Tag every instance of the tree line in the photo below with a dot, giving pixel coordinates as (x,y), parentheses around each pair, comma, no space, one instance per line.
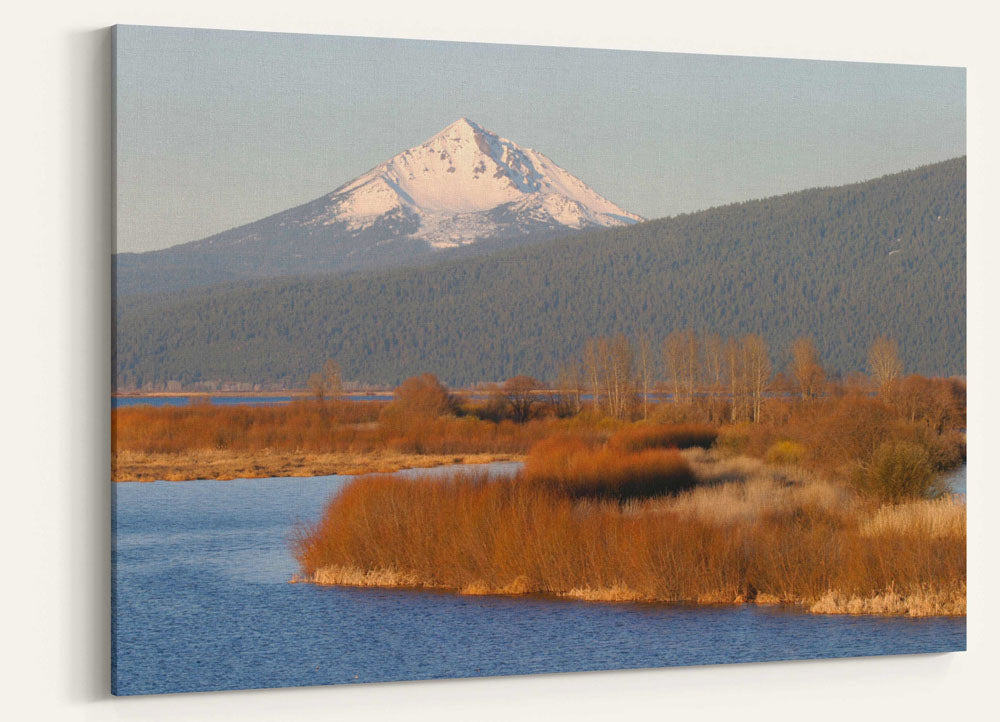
(729,376)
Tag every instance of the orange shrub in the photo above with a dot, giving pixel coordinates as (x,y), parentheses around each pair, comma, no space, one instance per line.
(746,438)
(664,436)
(311,426)
(468,532)
(295,426)
(574,467)
(937,402)
(842,431)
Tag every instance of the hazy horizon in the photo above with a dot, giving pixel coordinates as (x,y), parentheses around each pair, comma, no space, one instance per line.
(220,128)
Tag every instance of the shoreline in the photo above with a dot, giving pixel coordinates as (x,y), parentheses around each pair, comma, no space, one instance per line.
(293,393)
(219,465)
(888,603)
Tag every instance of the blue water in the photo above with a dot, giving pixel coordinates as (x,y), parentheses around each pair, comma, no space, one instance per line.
(202,602)
(958,481)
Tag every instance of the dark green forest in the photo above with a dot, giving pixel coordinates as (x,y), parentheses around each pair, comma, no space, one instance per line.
(842,265)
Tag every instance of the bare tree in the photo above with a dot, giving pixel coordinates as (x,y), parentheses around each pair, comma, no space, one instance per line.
(714,360)
(570,387)
(521,394)
(645,370)
(592,363)
(757,369)
(692,364)
(317,387)
(806,368)
(610,368)
(328,383)
(735,379)
(885,365)
(673,361)
(682,357)
(714,355)
(619,372)
(606,374)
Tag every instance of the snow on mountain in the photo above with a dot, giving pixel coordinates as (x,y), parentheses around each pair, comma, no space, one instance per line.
(467,183)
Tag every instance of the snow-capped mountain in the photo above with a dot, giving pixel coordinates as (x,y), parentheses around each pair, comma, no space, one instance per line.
(467,183)
(462,186)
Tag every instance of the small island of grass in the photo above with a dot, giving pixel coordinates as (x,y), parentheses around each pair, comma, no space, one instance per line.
(607,521)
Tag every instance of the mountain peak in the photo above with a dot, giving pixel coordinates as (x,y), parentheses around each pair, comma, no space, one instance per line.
(456,184)
(463,125)
(462,130)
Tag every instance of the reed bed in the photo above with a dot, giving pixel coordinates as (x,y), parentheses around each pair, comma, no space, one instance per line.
(296,426)
(313,427)
(942,518)
(577,469)
(883,450)
(766,539)
(927,602)
(664,436)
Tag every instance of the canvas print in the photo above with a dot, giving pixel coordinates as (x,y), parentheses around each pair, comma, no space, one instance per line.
(439,359)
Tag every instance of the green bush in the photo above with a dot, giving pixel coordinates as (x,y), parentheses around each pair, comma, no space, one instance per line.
(899,470)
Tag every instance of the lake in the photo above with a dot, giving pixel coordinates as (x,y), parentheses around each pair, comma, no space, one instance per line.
(202,602)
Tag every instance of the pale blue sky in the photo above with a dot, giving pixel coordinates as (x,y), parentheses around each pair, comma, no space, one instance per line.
(216,128)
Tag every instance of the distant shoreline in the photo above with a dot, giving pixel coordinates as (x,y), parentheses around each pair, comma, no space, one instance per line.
(294,393)
(203,394)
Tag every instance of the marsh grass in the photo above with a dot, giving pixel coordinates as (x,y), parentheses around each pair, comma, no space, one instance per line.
(326,427)
(771,537)
(641,437)
(889,451)
(942,518)
(579,469)
(919,602)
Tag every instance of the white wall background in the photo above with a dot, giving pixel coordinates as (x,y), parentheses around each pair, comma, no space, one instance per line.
(55,294)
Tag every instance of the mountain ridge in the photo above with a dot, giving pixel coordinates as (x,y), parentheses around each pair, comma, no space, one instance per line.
(843,264)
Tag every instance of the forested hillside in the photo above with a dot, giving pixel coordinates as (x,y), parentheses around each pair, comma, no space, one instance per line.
(842,265)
